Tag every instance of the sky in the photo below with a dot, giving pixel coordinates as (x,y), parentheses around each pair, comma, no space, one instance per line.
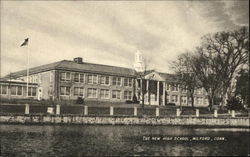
(110,32)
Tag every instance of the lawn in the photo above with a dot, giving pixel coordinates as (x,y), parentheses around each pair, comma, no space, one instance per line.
(102,110)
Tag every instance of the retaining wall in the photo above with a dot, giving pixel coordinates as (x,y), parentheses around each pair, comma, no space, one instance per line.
(121,120)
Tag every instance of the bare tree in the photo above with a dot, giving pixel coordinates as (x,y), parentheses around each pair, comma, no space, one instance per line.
(217,60)
(205,69)
(147,65)
(184,72)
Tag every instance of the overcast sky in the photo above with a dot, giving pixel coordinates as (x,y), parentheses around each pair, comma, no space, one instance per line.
(110,32)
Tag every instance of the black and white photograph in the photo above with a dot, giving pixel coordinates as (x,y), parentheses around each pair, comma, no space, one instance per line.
(124,78)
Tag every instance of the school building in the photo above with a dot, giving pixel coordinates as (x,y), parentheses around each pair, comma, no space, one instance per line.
(70,79)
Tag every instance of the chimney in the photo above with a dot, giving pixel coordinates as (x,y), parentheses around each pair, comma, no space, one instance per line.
(78,60)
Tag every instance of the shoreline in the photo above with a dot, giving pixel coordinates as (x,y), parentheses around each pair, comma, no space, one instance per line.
(238,122)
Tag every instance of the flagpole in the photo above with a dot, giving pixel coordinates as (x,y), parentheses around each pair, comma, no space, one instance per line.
(28,72)
(25,43)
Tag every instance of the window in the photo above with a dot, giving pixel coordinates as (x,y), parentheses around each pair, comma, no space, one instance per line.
(4,89)
(13,90)
(205,101)
(104,80)
(78,77)
(174,87)
(128,95)
(16,90)
(104,93)
(92,79)
(78,91)
(32,91)
(36,79)
(127,82)
(199,101)
(65,76)
(33,79)
(116,94)
(184,99)
(19,90)
(81,78)
(168,87)
(174,98)
(92,93)
(196,91)
(116,81)
(40,78)
(64,90)
(199,91)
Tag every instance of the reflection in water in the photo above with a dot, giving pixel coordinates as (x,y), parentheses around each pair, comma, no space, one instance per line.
(75,140)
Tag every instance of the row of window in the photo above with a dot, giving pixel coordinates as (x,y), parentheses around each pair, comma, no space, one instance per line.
(17,90)
(177,88)
(92,93)
(37,78)
(93,79)
(174,99)
(199,100)
(34,78)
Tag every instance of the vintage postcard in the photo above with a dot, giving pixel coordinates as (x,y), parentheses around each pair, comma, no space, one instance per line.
(124,78)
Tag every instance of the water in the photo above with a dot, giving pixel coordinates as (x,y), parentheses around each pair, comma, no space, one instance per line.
(76,140)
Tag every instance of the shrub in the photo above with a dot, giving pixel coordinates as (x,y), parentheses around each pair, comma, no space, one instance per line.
(129,102)
(217,101)
(235,104)
(135,99)
(80,100)
(171,104)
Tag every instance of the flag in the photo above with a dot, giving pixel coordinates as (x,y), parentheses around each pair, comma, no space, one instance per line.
(25,42)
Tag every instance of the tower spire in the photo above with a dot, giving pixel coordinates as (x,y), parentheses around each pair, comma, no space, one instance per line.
(138,65)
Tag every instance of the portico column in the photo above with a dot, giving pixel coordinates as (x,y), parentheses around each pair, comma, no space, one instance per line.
(164,93)
(158,93)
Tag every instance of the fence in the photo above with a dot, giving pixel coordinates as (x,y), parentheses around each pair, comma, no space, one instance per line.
(111,111)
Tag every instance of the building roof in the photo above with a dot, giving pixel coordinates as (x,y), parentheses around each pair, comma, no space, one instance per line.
(159,76)
(10,81)
(168,77)
(68,65)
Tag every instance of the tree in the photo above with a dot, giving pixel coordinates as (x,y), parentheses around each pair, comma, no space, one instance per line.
(218,59)
(232,52)
(205,69)
(184,72)
(242,86)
